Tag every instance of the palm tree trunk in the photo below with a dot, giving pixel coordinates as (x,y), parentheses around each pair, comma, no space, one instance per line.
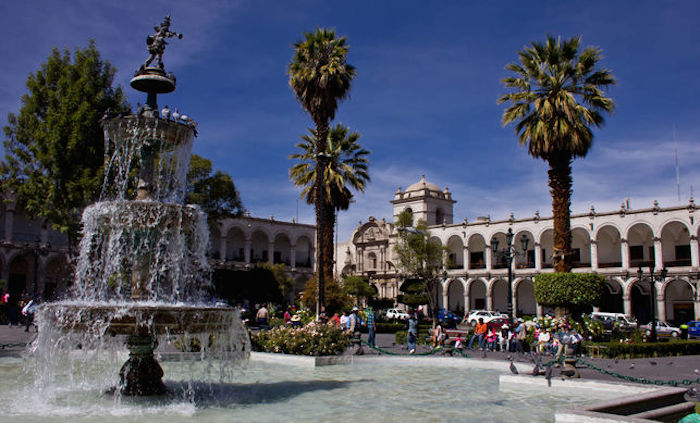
(321,142)
(560,189)
(328,241)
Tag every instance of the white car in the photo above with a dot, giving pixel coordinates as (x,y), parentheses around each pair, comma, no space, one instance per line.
(395,313)
(474,316)
(662,329)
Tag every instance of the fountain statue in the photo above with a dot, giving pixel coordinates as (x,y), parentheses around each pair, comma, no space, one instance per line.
(142,276)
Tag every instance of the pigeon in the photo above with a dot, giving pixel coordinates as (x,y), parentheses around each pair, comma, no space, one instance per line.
(513,369)
(631,366)
(536,370)
(617,361)
(184,118)
(176,115)
(483,355)
(568,373)
(669,363)
(548,375)
(653,363)
(509,357)
(165,112)
(609,366)
(696,371)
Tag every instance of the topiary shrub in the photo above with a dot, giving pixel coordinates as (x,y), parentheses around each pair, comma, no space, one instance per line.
(569,292)
(312,340)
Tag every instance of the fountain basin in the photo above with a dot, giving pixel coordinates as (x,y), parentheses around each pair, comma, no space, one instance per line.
(139,319)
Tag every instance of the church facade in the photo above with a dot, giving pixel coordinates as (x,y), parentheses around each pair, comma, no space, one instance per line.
(614,243)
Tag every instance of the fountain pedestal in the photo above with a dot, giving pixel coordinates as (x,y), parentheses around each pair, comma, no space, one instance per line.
(141,374)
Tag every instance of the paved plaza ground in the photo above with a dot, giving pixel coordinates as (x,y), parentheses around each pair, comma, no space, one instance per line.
(13,340)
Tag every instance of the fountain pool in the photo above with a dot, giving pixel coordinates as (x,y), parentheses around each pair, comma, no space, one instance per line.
(375,389)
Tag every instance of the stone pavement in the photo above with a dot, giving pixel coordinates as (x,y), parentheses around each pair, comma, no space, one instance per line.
(662,368)
(13,340)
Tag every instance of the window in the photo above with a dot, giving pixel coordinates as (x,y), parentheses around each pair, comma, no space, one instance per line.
(576,255)
(682,252)
(636,252)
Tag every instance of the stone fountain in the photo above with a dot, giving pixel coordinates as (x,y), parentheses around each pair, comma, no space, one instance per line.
(142,276)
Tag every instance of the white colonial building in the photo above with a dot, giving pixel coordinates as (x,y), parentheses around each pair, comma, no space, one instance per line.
(240,242)
(613,243)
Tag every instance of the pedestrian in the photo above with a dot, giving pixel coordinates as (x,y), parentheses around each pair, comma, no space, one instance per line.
(371,327)
(479,333)
(491,338)
(542,340)
(504,338)
(28,313)
(261,316)
(287,317)
(412,332)
(521,337)
(438,336)
(344,320)
(335,320)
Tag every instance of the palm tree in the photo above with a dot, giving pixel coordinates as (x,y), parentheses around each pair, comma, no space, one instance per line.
(320,78)
(557,98)
(345,169)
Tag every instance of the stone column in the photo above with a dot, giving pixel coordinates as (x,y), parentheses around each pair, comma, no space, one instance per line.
(445,298)
(540,311)
(487,255)
(694,259)
(382,255)
(222,249)
(596,309)
(515,301)
(360,260)
(660,304)
(594,254)
(658,254)
(293,257)
(627,303)
(246,250)
(271,252)
(697,302)
(466,258)
(467,301)
(538,256)
(489,299)
(625,253)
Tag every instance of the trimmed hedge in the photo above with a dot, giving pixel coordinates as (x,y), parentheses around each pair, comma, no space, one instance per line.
(569,289)
(422,337)
(642,350)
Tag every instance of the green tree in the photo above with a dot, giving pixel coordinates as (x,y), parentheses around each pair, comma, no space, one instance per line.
(54,147)
(569,293)
(320,78)
(556,99)
(336,299)
(420,259)
(358,287)
(213,191)
(345,169)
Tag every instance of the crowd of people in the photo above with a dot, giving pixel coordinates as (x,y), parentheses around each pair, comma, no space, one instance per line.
(19,311)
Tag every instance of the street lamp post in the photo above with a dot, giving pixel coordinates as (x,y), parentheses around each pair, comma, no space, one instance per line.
(652,298)
(509,253)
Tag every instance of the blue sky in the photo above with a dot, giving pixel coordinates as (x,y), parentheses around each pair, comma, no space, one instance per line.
(424,100)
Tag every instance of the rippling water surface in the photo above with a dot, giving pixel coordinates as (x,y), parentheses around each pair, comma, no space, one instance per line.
(371,391)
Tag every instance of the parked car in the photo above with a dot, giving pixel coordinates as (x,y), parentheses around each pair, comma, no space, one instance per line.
(395,313)
(693,329)
(610,320)
(662,329)
(448,317)
(474,316)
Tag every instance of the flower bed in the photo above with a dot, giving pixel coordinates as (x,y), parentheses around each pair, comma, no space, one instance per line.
(313,340)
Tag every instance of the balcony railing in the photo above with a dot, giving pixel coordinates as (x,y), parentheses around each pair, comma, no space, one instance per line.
(477,266)
(610,264)
(677,263)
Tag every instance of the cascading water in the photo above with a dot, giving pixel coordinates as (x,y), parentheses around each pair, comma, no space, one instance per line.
(142,278)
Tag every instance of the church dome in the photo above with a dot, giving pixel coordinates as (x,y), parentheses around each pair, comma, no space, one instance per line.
(421,185)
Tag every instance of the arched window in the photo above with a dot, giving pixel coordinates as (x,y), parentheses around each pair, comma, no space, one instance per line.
(439,217)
